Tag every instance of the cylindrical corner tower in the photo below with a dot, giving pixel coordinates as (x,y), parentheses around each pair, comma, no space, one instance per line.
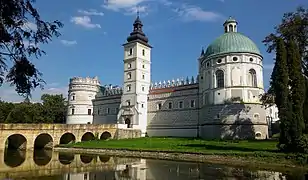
(80,95)
(231,75)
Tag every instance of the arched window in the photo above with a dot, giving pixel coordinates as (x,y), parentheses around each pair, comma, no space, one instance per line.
(220,81)
(253,78)
(230,28)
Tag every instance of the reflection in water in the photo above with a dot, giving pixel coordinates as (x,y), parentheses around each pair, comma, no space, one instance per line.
(42,157)
(66,158)
(14,157)
(49,165)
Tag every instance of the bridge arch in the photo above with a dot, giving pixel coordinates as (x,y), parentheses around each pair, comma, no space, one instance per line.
(42,157)
(104,158)
(43,141)
(86,159)
(67,138)
(16,141)
(18,160)
(88,136)
(106,135)
(66,158)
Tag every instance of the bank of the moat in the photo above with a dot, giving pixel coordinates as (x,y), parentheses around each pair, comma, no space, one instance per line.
(258,154)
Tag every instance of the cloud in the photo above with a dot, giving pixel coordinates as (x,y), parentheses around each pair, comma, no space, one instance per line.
(195,13)
(68,43)
(84,21)
(8,93)
(91,12)
(121,4)
(30,26)
(135,9)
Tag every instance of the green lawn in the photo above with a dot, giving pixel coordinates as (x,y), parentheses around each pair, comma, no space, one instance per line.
(264,150)
(184,145)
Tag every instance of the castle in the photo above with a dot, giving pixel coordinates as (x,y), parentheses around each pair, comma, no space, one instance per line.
(222,101)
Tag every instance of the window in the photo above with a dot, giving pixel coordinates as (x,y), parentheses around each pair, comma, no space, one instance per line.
(73,97)
(98,111)
(129,65)
(73,111)
(250,59)
(142,88)
(276,115)
(130,51)
(89,111)
(252,78)
(159,106)
(234,58)
(107,110)
(181,104)
(143,52)
(116,110)
(129,75)
(85,176)
(170,105)
(143,76)
(230,28)
(219,61)
(192,103)
(142,105)
(128,102)
(220,82)
(143,66)
(128,88)
(207,64)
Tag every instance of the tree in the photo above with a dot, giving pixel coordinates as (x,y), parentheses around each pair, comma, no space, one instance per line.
(54,107)
(297,85)
(280,87)
(19,41)
(294,26)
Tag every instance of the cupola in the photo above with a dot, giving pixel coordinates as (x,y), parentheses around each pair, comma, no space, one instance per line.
(230,25)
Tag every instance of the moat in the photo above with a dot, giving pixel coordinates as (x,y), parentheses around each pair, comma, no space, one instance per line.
(50,165)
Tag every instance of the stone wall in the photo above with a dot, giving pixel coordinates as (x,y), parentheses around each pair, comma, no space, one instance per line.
(233,121)
(127,133)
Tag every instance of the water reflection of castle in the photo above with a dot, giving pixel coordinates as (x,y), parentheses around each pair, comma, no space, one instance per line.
(67,166)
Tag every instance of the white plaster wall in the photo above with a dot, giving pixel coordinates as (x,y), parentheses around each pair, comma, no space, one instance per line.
(101,106)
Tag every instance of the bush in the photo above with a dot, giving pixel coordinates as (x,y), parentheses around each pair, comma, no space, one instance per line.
(302,144)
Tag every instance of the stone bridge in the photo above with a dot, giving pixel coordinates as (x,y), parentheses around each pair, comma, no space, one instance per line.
(49,163)
(38,136)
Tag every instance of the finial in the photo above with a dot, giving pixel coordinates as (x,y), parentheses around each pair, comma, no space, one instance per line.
(138,12)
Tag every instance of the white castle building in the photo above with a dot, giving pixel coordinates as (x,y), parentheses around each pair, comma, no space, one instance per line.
(222,101)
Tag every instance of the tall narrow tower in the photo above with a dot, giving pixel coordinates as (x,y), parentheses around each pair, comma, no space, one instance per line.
(137,68)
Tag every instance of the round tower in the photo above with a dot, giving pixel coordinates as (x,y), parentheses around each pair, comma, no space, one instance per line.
(231,75)
(80,95)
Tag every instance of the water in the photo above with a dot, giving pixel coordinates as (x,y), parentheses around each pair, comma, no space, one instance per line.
(49,165)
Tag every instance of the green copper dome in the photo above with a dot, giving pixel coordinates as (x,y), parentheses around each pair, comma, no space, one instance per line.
(232,42)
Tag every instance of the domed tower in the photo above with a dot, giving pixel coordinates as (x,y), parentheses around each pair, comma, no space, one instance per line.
(231,80)
(80,95)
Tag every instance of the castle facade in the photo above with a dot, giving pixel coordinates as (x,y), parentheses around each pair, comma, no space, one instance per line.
(222,101)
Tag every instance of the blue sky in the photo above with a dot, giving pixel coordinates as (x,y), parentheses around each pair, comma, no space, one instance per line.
(94,31)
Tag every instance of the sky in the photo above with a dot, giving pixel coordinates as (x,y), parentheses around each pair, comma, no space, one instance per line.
(94,31)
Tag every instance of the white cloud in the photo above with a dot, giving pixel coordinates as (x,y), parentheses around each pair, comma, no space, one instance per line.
(29,26)
(91,12)
(8,93)
(135,9)
(68,43)
(194,13)
(84,21)
(121,4)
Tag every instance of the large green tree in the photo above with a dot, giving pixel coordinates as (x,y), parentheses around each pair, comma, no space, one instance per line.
(280,87)
(22,29)
(54,107)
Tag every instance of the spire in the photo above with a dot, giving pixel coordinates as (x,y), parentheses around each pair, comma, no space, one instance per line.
(202,51)
(138,35)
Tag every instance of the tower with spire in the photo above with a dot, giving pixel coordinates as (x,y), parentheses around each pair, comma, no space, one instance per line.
(137,78)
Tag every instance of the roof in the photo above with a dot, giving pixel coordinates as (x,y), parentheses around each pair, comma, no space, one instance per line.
(232,42)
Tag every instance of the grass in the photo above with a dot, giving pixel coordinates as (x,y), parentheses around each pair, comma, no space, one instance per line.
(258,150)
